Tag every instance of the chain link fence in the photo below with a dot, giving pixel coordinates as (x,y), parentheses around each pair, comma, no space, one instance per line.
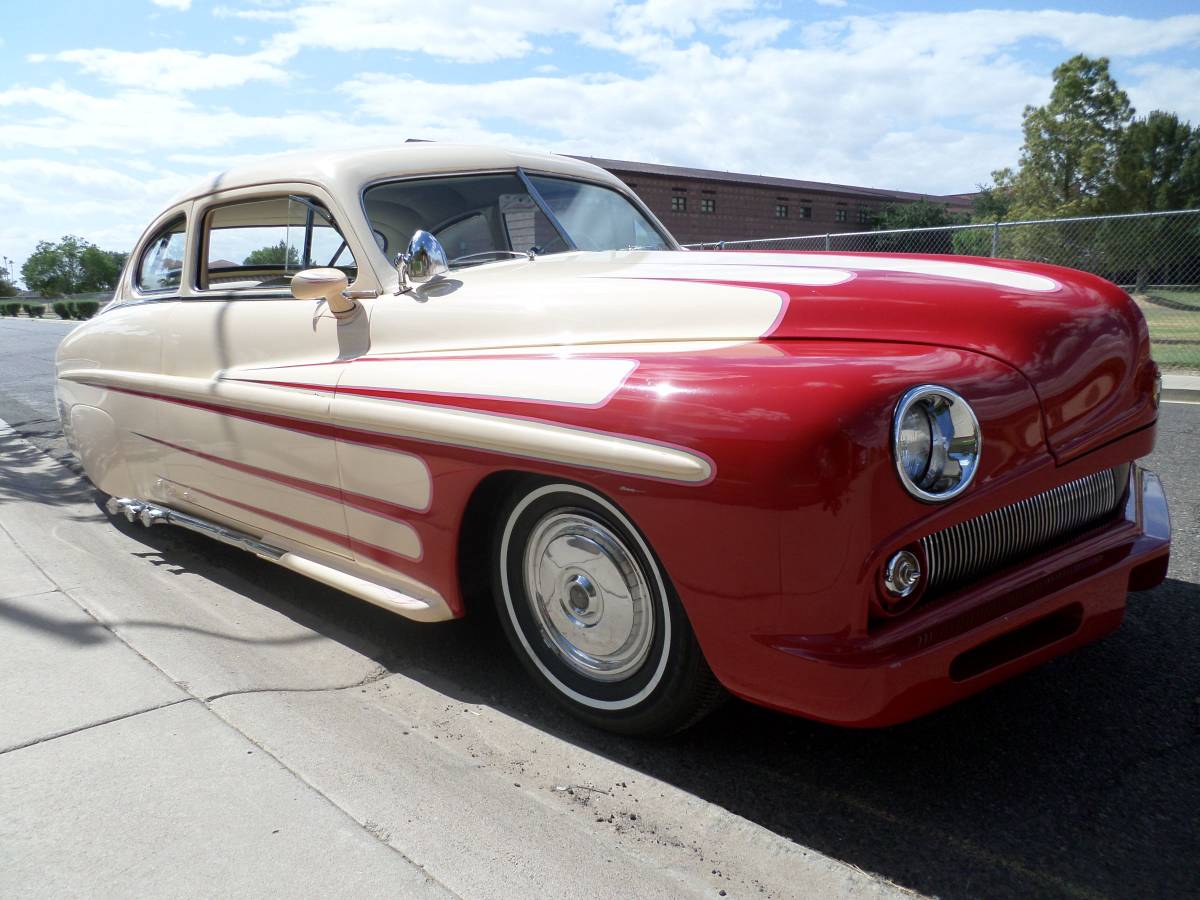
(1154,256)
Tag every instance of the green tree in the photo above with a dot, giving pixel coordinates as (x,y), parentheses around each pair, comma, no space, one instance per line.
(1157,169)
(101,268)
(994,201)
(922,214)
(280,254)
(7,288)
(1157,166)
(1071,143)
(71,266)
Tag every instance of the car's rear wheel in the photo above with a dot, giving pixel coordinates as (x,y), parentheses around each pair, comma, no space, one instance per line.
(593,616)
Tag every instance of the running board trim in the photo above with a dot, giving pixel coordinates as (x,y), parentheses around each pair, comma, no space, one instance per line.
(151,514)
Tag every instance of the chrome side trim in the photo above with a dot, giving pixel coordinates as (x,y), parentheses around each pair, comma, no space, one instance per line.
(978,546)
(151,514)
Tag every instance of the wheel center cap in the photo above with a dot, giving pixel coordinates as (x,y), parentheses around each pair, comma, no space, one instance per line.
(581,601)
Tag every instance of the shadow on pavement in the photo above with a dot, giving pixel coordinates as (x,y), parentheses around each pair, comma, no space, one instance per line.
(1077,779)
(24,475)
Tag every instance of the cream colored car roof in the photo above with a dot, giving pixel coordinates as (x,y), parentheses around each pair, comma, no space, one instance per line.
(344,172)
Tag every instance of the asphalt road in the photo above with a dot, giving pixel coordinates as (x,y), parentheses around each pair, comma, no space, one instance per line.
(1077,779)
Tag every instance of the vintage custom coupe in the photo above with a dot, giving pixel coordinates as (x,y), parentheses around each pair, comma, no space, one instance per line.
(853,487)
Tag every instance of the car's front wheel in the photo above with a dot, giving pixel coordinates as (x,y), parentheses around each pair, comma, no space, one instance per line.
(592,615)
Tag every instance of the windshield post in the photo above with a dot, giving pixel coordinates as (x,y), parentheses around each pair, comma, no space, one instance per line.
(545,208)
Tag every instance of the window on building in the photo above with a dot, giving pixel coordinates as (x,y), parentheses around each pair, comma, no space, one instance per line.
(781,210)
(806,211)
(708,205)
(864,214)
(841,214)
(679,203)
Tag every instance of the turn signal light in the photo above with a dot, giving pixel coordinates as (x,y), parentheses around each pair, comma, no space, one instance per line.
(901,582)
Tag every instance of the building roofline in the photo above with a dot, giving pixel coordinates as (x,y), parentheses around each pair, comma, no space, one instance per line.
(792,184)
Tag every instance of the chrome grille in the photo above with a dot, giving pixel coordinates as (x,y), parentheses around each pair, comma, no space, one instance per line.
(981,545)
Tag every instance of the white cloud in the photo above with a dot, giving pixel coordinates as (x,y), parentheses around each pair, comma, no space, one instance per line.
(749,34)
(984,31)
(44,200)
(181,5)
(677,18)
(1169,88)
(135,122)
(920,101)
(474,32)
(458,30)
(171,70)
(927,102)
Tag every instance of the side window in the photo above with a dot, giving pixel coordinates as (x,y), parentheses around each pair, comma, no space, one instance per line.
(161,264)
(466,236)
(256,244)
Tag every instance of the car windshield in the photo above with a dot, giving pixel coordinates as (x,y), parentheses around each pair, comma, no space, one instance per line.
(479,218)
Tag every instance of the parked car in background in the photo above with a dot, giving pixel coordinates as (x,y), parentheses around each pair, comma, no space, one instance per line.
(852,487)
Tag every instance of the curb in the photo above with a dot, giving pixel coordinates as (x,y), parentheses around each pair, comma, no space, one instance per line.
(1181,388)
(36,319)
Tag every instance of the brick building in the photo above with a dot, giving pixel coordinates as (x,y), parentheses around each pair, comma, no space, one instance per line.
(702,205)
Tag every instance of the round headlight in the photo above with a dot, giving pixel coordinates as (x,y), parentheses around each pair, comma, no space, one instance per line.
(936,442)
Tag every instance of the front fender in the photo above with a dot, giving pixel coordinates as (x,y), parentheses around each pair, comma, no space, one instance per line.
(787,535)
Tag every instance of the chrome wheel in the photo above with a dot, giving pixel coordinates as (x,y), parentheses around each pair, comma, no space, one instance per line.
(589,596)
(590,612)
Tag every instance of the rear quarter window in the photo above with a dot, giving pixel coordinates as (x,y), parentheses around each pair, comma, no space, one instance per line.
(161,264)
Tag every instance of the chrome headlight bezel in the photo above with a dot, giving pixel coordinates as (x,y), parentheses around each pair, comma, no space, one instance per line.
(956,443)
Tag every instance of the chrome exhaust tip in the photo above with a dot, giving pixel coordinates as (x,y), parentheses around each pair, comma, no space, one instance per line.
(152,515)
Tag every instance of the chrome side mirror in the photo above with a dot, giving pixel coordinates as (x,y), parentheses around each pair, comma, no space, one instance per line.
(424,261)
(327,284)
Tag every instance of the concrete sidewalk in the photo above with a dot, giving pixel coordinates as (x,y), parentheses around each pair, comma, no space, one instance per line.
(167,729)
(118,781)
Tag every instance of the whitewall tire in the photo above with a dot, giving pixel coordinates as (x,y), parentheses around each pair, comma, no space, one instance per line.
(592,615)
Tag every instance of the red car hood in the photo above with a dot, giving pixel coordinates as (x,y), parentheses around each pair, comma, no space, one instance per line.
(1080,340)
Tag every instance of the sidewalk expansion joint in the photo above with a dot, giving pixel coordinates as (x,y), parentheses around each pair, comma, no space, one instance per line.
(91,725)
(376,674)
(316,789)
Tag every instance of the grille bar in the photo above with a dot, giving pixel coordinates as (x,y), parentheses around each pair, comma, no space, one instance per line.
(983,544)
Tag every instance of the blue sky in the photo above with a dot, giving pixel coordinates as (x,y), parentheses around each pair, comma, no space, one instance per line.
(107,110)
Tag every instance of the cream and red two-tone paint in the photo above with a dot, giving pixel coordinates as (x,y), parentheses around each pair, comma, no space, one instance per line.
(730,414)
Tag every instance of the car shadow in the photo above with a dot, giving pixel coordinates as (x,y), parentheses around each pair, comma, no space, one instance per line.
(1076,779)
